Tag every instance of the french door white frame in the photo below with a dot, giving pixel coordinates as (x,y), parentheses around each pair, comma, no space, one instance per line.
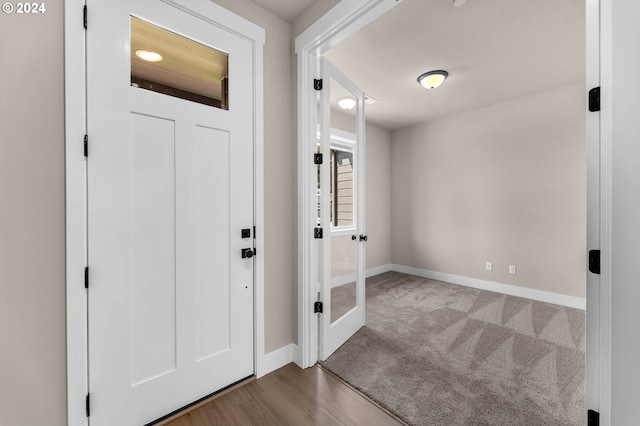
(76,190)
(349,16)
(344,19)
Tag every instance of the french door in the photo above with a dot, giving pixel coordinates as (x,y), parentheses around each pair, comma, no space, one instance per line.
(170,208)
(341,210)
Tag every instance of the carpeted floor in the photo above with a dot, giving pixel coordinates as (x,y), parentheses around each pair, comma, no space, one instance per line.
(441,354)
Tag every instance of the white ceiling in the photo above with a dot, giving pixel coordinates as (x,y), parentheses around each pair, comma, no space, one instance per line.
(494,50)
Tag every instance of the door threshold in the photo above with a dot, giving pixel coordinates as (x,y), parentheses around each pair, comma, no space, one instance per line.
(361,393)
(200,402)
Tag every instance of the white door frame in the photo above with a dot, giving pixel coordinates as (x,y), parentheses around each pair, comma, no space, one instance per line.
(76,191)
(598,156)
(349,16)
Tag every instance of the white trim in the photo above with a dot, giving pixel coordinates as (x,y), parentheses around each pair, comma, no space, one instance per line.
(595,394)
(349,278)
(377,270)
(222,18)
(278,358)
(343,20)
(76,237)
(606,185)
(307,217)
(336,25)
(511,290)
(258,175)
(75,175)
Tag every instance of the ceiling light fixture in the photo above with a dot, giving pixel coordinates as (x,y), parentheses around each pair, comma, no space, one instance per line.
(432,79)
(458,3)
(346,103)
(148,56)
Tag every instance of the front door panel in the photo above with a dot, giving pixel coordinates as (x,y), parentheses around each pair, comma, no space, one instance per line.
(170,187)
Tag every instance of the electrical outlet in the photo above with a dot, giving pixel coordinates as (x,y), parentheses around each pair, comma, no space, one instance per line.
(488,266)
(512,269)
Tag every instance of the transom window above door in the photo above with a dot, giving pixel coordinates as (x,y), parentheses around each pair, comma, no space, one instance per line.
(168,63)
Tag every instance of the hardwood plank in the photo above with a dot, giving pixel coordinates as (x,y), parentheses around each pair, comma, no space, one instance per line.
(289,396)
(182,413)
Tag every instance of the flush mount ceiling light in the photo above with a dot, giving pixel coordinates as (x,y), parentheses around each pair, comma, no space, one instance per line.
(432,79)
(458,3)
(148,56)
(346,103)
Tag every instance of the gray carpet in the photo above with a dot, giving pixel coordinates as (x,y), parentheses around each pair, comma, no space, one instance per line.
(441,354)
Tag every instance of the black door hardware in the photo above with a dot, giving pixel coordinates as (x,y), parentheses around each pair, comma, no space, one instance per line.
(248,253)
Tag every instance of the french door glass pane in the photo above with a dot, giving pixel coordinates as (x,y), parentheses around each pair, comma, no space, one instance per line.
(342,202)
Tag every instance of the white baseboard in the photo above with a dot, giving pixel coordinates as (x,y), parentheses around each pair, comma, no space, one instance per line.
(349,278)
(377,270)
(512,290)
(276,359)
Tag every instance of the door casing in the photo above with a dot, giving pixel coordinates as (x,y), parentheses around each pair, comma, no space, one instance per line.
(76,188)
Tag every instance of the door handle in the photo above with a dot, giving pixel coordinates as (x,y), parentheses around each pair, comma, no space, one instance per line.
(363,237)
(248,253)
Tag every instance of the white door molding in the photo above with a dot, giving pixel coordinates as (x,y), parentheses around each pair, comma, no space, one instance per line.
(76,209)
(599,163)
(76,200)
(344,19)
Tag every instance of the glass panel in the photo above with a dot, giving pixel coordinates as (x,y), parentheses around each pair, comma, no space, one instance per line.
(342,202)
(342,186)
(343,275)
(165,62)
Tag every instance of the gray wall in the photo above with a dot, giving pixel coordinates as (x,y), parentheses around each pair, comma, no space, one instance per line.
(504,183)
(32,221)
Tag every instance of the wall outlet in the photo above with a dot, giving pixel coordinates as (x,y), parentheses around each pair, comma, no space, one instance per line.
(512,269)
(488,266)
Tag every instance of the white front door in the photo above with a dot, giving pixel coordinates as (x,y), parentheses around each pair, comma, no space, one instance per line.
(341,189)
(170,189)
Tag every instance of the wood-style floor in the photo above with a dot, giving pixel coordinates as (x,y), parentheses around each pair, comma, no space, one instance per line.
(289,396)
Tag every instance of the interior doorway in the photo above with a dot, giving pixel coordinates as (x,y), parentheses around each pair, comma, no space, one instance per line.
(329,38)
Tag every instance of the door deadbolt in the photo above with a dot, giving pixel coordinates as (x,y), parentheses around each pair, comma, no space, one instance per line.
(248,253)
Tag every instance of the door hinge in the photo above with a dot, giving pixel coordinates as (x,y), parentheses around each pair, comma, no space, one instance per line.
(86,277)
(86,145)
(317,84)
(594,261)
(317,233)
(317,308)
(84,16)
(594,99)
(593,418)
(317,158)
(87,404)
